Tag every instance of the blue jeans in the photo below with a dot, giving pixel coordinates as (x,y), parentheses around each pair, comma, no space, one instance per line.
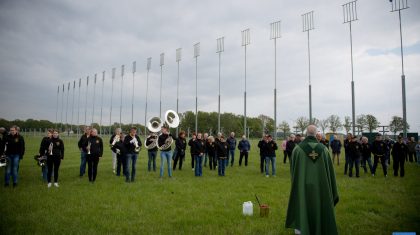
(221,169)
(346,163)
(82,163)
(152,159)
(267,165)
(130,157)
(44,171)
(351,164)
(198,165)
(12,168)
(165,155)
(369,161)
(418,157)
(206,156)
(231,152)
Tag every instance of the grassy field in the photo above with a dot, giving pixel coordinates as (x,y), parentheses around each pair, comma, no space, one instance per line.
(189,205)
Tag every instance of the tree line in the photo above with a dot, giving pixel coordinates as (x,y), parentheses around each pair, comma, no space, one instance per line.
(230,122)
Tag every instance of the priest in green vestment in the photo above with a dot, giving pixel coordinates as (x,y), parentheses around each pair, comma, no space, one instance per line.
(314,190)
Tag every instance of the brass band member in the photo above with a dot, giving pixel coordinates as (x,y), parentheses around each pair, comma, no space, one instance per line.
(83,152)
(118,147)
(180,146)
(14,152)
(43,151)
(132,144)
(95,150)
(114,154)
(165,154)
(151,152)
(54,157)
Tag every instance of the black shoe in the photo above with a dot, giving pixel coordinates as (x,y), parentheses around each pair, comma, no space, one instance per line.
(6,185)
(14,185)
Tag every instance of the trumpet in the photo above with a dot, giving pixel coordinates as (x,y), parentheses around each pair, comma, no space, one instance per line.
(50,148)
(88,148)
(136,144)
(115,140)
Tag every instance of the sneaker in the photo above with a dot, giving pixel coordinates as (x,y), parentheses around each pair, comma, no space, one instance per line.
(56,184)
(192,169)
(113,171)
(373,174)
(267,176)
(49,185)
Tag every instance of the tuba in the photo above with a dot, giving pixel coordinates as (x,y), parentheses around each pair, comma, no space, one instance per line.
(155,124)
(172,119)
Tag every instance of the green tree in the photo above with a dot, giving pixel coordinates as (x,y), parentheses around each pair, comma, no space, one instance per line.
(371,122)
(324,125)
(285,128)
(361,122)
(334,123)
(347,124)
(302,123)
(397,124)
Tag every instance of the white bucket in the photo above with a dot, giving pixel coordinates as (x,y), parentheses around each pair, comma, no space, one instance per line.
(247,208)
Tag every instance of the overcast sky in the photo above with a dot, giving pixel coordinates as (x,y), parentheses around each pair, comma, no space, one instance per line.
(45,44)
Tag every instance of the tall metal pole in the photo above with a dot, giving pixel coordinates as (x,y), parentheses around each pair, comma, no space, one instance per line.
(112,96)
(67,104)
(398,5)
(220,49)
(196,55)
(178,59)
(72,105)
(275,33)
(122,85)
(149,63)
(308,25)
(56,110)
(94,95)
(62,108)
(350,15)
(245,41)
(87,86)
(78,107)
(102,101)
(132,96)
(162,61)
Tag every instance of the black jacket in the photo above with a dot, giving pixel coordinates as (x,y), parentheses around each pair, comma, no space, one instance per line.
(120,146)
(221,150)
(43,148)
(354,150)
(2,142)
(290,145)
(366,151)
(399,151)
(269,149)
(130,146)
(260,146)
(58,147)
(211,148)
(379,148)
(162,139)
(180,145)
(192,146)
(149,141)
(199,146)
(96,146)
(83,142)
(15,145)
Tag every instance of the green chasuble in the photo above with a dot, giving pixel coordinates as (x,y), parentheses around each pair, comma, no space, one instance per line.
(314,190)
